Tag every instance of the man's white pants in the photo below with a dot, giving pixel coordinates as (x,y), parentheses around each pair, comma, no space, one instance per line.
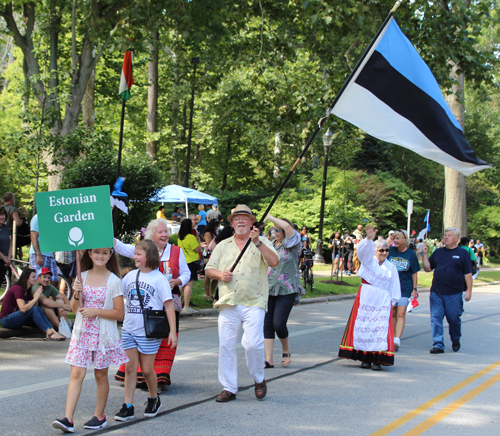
(231,320)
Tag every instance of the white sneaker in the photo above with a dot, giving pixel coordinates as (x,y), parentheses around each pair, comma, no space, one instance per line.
(189,310)
(397,343)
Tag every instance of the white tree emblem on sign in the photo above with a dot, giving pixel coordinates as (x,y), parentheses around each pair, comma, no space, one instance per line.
(76,237)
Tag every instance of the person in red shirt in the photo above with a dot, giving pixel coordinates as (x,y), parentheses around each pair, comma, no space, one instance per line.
(19,306)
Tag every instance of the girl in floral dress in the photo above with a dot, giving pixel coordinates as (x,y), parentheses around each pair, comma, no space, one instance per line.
(284,289)
(98,304)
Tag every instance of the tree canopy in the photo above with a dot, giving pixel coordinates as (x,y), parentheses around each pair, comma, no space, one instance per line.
(268,71)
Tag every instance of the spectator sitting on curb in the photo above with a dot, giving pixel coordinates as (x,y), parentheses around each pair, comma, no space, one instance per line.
(54,304)
(19,307)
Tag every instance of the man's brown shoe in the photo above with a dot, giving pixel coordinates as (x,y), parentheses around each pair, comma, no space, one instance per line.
(261,390)
(226,396)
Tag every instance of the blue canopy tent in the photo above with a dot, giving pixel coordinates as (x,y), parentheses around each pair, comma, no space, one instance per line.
(180,194)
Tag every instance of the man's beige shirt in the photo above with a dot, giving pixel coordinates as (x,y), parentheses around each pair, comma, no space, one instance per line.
(249,286)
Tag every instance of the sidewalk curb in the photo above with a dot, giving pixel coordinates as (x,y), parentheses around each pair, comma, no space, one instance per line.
(24,331)
(31,331)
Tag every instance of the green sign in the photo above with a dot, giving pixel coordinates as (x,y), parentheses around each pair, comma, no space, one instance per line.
(75,219)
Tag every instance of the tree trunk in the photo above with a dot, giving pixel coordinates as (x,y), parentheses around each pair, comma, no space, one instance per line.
(226,163)
(83,66)
(88,103)
(455,204)
(152,122)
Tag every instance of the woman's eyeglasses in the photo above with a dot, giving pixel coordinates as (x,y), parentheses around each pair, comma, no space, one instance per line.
(277,231)
(383,250)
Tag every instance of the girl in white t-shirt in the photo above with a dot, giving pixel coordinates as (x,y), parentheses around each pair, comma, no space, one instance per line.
(98,305)
(156,294)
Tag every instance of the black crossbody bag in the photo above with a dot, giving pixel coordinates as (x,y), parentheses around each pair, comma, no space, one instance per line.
(155,321)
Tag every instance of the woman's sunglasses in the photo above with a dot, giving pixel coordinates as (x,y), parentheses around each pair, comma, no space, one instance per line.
(383,250)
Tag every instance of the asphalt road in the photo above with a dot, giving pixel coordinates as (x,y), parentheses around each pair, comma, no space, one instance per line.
(319,394)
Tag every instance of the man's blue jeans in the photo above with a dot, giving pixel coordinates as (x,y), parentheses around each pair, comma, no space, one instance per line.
(18,319)
(450,306)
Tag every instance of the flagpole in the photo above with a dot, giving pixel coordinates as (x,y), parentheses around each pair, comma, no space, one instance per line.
(320,125)
(287,178)
(120,146)
(362,58)
(120,142)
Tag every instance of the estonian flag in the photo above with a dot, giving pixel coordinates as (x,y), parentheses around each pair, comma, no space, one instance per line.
(393,96)
(426,220)
(118,198)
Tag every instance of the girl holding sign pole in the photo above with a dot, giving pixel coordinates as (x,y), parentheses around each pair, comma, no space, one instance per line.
(98,304)
(155,293)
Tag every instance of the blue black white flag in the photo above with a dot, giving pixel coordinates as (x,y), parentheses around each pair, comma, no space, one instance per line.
(394,97)
(427,221)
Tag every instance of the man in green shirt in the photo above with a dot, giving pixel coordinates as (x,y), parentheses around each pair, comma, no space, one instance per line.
(55,305)
(464,243)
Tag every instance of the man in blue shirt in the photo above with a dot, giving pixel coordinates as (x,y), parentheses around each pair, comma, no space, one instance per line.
(450,264)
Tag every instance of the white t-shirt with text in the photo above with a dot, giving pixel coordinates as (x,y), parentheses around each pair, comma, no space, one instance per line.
(155,290)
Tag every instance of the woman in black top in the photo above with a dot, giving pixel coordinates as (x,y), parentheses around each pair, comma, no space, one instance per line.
(335,244)
(5,245)
(348,253)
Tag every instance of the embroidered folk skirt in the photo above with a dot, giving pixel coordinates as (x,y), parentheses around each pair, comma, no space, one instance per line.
(347,350)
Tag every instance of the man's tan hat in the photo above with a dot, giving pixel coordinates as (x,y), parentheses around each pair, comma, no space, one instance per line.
(242,209)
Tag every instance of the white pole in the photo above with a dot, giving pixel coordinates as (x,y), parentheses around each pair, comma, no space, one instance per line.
(410,211)
(14,240)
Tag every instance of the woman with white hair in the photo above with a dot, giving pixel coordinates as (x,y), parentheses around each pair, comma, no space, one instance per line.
(173,265)
(368,336)
(406,262)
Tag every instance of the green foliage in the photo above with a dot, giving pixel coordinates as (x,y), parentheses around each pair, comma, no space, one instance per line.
(485,225)
(143,180)
(228,200)
(173,239)
(374,155)
(268,71)
(352,198)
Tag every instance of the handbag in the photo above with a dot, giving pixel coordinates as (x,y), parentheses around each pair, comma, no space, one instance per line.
(155,321)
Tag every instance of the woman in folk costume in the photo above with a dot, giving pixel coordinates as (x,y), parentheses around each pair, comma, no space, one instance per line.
(173,265)
(369,336)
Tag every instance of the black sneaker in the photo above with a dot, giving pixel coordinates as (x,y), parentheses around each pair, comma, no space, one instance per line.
(456,346)
(436,350)
(125,413)
(64,425)
(95,423)
(153,406)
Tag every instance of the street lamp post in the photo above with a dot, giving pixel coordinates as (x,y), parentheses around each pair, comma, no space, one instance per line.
(194,61)
(327,142)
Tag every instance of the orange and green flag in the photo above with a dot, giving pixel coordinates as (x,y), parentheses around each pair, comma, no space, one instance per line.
(126,80)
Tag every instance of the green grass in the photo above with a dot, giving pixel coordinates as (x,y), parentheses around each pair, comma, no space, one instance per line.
(425,279)
(327,267)
(197,300)
(322,289)
(488,277)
